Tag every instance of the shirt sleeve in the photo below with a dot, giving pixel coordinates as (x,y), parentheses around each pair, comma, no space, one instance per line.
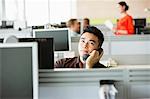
(59,64)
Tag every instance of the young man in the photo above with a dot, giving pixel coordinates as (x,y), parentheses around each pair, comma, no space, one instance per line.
(90,51)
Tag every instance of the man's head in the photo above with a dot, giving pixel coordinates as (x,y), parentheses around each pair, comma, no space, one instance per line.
(91,39)
(74,25)
(86,23)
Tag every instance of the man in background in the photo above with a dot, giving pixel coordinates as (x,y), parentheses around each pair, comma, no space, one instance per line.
(74,27)
(86,23)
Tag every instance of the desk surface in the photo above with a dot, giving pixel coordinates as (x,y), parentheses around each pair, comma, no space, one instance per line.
(69,75)
(98,69)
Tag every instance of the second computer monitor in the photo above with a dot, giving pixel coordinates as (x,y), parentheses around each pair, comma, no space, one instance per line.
(140,22)
(61,37)
(45,51)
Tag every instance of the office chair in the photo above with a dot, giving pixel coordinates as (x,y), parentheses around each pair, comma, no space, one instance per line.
(10,39)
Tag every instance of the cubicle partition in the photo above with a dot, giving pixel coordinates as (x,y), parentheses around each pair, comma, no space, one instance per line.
(138,83)
(78,83)
(0,72)
(132,82)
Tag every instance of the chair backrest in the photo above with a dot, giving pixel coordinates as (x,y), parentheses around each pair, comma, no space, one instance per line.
(10,39)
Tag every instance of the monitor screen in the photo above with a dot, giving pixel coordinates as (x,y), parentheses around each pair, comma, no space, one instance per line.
(140,22)
(1,40)
(45,51)
(18,71)
(61,37)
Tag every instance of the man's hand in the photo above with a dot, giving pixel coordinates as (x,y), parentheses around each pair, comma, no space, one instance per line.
(93,58)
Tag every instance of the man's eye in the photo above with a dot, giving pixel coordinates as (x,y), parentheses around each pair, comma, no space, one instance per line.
(82,41)
(92,43)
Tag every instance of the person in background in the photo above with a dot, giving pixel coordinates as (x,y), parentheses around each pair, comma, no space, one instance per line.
(90,51)
(74,27)
(125,22)
(86,23)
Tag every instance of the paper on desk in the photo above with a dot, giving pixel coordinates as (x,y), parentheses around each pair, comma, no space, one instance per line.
(109,24)
(69,54)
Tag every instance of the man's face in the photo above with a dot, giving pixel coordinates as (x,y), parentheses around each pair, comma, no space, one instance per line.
(76,26)
(87,43)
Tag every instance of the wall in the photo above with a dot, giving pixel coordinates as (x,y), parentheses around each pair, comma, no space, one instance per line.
(108,8)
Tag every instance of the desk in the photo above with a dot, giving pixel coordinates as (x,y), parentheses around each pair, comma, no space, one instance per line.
(133,82)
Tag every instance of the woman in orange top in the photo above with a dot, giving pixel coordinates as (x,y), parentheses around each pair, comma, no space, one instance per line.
(125,23)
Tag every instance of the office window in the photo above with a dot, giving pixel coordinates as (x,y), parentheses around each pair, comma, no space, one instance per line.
(61,10)
(36,12)
(40,12)
(0,10)
(11,9)
(14,9)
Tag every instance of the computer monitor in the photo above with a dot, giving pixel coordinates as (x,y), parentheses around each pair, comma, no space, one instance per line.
(18,71)
(1,40)
(140,22)
(61,37)
(45,51)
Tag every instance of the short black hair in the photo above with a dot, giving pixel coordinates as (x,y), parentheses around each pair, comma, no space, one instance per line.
(123,3)
(95,31)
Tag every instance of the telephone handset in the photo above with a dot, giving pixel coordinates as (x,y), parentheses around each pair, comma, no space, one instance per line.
(100,50)
(85,56)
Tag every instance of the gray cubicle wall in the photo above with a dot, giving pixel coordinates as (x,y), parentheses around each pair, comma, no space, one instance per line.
(133,82)
(78,83)
(132,51)
(138,83)
(129,52)
(17,78)
(0,72)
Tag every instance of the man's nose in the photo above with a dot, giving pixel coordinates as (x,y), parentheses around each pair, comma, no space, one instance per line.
(85,45)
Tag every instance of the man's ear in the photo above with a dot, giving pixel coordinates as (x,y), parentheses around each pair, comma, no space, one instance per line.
(100,50)
(98,47)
